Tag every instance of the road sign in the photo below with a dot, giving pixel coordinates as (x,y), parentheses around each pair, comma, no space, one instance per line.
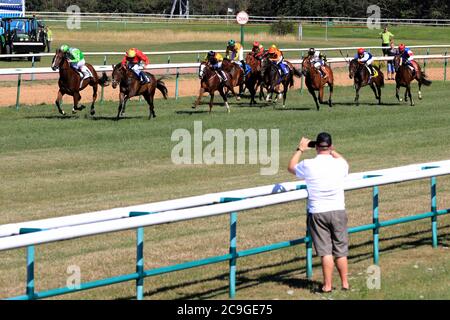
(242,17)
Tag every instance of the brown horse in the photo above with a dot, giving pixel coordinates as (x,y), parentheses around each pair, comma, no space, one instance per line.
(253,79)
(69,83)
(211,82)
(315,82)
(272,79)
(237,75)
(404,76)
(130,86)
(358,71)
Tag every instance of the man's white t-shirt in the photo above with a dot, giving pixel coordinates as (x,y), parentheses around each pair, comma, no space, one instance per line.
(324,177)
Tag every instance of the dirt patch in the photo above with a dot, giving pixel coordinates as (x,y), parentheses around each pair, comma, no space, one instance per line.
(34,93)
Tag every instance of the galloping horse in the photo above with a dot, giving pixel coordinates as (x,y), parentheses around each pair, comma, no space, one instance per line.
(130,86)
(210,82)
(404,76)
(253,79)
(272,78)
(237,75)
(315,82)
(361,76)
(69,83)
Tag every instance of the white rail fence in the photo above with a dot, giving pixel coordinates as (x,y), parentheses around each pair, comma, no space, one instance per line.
(152,18)
(106,221)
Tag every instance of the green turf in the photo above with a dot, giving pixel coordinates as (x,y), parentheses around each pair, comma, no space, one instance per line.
(53,166)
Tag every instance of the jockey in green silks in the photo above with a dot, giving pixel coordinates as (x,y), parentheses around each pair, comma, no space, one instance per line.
(75,57)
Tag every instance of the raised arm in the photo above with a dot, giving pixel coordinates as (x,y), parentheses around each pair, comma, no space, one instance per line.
(302,147)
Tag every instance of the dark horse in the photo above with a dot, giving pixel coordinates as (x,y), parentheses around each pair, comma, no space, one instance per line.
(130,86)
(210,82)
(272,78)
(69,82)
(404,76)
(358,71)
(315,82)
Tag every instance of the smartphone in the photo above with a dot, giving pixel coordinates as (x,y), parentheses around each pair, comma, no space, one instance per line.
(312,144)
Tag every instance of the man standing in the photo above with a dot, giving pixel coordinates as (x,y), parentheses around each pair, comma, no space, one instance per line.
(48,38)
(327,219)
(386,38)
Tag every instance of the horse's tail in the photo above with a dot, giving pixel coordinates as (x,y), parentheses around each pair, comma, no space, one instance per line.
(104,80)
(297,72)
(424,80)
(161,86)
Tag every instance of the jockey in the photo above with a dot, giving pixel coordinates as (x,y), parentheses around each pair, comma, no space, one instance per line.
(276,56)
(76,59)
(365,57)
(407,56)
(318,60)
(237,53)
(258,50)
(215,59)
(132,59)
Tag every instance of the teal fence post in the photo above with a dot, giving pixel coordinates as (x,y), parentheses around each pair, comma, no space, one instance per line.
(103,88)
(30,272)
(376,229)
(177,84)
(309,255)
(434,210)
(426,60)
(140,263)
(19,82)
(233,226)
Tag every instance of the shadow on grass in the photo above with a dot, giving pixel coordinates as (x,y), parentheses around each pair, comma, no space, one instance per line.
(363,104)
(114,118)
(191,112)
(290,276)
(56,116)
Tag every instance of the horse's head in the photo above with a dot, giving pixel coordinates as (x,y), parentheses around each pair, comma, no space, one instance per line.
(202,69)
(397,62)
(265,65)
(306,66)
(353,68)
(58,59)
(117,74)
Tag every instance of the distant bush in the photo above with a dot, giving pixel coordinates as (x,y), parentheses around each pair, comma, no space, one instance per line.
(282,28)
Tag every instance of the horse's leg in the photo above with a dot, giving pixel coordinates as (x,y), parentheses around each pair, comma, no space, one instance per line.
(397,93)
(200,95)
(211,101)
(321,95)
(58,103)
(379,94)
(330,102)
(94,98)
(121,104)
(374,89)
(420,89)
(76,99)
(224,97)
(286,88)
(410,95)
(151,107)
(313,93)
(357,94)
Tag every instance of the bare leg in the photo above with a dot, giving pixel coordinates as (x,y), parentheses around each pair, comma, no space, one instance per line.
(327,271)
(342,266)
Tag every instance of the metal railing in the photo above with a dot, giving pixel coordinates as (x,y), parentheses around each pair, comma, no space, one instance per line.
(65,228)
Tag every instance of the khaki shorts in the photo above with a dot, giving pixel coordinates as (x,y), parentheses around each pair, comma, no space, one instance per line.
(329,233)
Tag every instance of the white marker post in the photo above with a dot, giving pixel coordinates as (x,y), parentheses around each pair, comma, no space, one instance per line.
(242,18)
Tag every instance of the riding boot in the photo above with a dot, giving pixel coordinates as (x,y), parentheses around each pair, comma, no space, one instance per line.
(222,75)
(144,78)
(244,67)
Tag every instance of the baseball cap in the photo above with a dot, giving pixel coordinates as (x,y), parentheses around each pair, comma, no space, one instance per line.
(323,140)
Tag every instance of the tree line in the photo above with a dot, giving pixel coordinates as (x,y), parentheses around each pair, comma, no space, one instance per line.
(406,9)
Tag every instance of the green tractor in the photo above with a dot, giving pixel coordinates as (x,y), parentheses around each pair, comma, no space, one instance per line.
(20,35)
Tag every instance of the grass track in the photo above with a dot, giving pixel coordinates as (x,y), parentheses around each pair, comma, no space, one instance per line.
(52,166)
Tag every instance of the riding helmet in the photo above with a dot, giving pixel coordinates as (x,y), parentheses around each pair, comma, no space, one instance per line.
(131,53)
(65,48)
(231,43)
(361,50)
(211,53)
(401,47)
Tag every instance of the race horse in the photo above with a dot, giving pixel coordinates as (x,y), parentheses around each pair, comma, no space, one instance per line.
(253,79)
(237,75)
(69,83)
(271,78)
(131,86)
(315,82)
(361,78)
(211,82)
(404,76)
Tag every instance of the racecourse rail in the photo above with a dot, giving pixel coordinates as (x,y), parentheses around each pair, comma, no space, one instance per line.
(29,234)
(177,66)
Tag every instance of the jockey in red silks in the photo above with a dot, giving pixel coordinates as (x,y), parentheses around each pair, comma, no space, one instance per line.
(258,50)
(408,58)
(132,61)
